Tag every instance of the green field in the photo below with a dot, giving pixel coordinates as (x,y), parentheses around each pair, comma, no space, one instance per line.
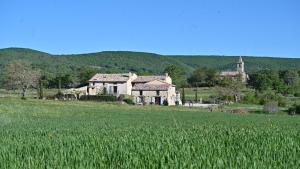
(56,134)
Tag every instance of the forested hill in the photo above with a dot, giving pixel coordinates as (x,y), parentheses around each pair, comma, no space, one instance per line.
(143,63)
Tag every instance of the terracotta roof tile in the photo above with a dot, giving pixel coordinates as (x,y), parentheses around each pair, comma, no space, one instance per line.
(143,79)
(151,87)
(99,77)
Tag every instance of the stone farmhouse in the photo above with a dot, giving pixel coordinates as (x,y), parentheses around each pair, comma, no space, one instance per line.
(239,73)
(143,89)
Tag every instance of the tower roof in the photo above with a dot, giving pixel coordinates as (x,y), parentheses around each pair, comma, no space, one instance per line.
(240,59)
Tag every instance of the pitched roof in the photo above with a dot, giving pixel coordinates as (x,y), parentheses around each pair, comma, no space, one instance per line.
(143,79)
(151,86)
(229,73)
(99,77)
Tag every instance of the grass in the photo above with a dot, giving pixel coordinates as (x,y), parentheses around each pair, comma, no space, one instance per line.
(203,92)
(56,134)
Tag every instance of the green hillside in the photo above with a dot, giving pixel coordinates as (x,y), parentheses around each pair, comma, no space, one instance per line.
(143,63)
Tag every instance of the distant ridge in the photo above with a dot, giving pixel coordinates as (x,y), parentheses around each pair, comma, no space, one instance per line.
(139,62)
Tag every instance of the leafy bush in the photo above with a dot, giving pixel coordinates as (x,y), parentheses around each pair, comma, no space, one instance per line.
(129,101)
(250,98)
(271,96)
(100,98)
(295,109)
(165,103)
(271,107)
(297,94)
(59,95)
(281,101)
(121,97)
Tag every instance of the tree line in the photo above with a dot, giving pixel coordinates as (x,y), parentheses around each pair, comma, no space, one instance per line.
(22,75)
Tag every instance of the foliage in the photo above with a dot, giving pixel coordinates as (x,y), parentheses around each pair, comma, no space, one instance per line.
(20,75)
(297,94)
(176,73)
(267,79)
(250,98)
(295,109)
(183,96)
(86,73)
(128,101)
(231,89)
(100,98)
(165,103)
(56,134)
(141,63)
(203,77)
(269,96)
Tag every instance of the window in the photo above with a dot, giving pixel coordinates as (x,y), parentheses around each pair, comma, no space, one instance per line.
(141,92)
(115,89)
(157,92)
(93,83)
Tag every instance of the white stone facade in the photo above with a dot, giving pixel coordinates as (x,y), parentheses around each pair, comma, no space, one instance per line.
(143,89)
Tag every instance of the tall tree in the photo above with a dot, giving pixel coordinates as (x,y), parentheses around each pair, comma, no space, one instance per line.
(85,74)
(203,76)
(231,88)
(183,96)
(176,73)
(267,79)
(291,79)
(20,75)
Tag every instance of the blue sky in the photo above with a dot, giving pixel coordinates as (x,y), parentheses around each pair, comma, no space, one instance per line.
(221,27)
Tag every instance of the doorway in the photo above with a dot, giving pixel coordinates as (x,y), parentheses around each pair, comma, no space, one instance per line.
(157,100)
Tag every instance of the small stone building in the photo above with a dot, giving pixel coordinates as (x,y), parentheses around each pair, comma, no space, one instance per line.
(143,89)
(113,84)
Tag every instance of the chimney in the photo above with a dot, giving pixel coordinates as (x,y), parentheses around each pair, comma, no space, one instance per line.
(167,74)
(130,74)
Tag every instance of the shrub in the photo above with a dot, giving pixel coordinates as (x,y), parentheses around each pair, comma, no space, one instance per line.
(271,107)
(100,98)
(59,95)
(121,97)
(128,101)
(281,101)
(104,92)
(165,103)
(250,98)
(295,109)
(297,94)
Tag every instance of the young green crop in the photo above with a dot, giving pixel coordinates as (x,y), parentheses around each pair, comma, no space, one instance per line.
(54,134)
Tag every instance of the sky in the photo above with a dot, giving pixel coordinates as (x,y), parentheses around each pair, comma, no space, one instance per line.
(192,27)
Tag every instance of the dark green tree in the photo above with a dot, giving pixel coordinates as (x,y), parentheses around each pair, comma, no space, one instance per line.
(203,76)
(183,96)
(176,73)
(85,74)
(267,79)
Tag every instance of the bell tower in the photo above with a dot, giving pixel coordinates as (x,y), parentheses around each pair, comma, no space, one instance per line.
(240,65)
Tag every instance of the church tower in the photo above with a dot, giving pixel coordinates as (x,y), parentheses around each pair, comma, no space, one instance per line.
(240,66)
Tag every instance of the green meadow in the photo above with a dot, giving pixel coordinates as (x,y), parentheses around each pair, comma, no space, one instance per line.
(57,134)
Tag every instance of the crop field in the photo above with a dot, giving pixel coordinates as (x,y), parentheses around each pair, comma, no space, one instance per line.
(56,134)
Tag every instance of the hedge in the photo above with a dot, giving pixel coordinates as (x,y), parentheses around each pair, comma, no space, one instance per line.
(100,98)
